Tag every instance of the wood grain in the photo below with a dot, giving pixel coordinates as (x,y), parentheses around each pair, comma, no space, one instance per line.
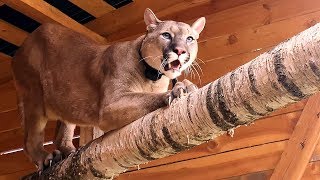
(257,14)
(18,174)
(180,12)
(223,165)
(249,40)
(8,97)
(45,13)
(129,14)
(245,163)
(244,15)
(5,68)
(9,121)
(95,7)
(301,144)
(17,164)
(311,173)
(13,139)
(11,33)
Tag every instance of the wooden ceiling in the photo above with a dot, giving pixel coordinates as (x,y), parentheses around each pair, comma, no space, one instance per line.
(236,31)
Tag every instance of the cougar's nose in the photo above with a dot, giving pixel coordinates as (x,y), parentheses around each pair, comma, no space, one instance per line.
(179,50)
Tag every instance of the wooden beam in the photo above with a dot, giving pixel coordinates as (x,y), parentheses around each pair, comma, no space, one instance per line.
(88,134)
(96,8)
(301,144)
(219,166)
(126,15)
(11,33)
(312,172)
(45,13)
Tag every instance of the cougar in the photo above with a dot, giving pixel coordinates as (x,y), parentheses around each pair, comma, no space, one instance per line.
(62,75)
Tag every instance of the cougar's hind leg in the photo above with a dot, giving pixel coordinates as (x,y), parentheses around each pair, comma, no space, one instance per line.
(63,138)
(33,121)
(32,112)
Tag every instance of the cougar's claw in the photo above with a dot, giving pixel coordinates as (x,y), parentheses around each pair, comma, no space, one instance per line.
(180,90)
(50,160)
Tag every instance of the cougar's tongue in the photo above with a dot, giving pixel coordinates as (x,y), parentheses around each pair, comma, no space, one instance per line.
(175,65)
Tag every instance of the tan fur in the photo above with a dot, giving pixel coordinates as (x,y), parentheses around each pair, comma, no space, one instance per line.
(62,75)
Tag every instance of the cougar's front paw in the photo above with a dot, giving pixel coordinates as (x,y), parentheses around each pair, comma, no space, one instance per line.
(181,89)
(49,160)
(190,86)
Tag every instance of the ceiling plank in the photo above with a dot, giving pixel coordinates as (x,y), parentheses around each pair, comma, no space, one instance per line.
(218,166)
(126,15)
(45,13)
(5,69)
(11,33)
(8,97)
(95,7)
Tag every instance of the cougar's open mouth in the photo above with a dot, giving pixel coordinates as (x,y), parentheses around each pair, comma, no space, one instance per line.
(174,65)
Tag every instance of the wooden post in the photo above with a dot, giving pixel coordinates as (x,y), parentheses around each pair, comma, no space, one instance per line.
(302,143)
(88,134)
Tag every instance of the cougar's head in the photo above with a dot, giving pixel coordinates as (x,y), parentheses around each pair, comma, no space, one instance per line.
(170,46)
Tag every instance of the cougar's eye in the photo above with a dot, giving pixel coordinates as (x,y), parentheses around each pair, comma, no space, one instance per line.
(190,39)
(166,35)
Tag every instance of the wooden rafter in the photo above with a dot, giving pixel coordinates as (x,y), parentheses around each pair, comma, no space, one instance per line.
(95,7)
(129,14)
(11,33)
(302,143)
(45,13)
(88,134)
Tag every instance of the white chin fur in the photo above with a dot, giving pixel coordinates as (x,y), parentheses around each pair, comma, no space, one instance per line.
(172,74)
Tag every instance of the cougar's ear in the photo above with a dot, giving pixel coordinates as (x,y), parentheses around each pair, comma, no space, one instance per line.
(150,19)
(199,25)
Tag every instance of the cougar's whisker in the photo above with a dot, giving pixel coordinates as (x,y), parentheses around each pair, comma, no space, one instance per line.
(197,73)
(198,66)
(200,60)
